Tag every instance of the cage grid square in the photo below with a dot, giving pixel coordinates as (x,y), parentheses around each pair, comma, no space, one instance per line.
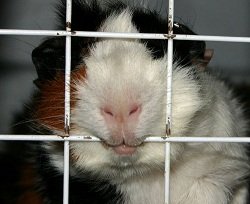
(170,36)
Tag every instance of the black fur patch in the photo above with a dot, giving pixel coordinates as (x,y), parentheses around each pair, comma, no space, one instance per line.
(50,55)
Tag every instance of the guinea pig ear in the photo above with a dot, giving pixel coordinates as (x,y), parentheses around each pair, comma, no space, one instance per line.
(203,63)
(49,58)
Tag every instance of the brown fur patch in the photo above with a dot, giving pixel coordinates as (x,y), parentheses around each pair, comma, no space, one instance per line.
(50,106)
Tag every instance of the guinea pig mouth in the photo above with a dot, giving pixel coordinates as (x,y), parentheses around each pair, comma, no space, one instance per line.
(131,143)
(123,148)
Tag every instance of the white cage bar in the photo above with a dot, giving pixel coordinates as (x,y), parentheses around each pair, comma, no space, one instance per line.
(124,35)
(167,140)
(67,103)
(169,100)
(87,138)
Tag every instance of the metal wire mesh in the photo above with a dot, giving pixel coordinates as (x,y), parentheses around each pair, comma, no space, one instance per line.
(170,36)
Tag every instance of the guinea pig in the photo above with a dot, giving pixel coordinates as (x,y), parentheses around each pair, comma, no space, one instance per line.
(118,94)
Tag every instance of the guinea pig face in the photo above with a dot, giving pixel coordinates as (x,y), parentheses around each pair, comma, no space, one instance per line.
(121,100)
(118,94)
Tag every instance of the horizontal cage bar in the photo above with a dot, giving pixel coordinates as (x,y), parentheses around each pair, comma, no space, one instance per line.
(148,139)
(124,35)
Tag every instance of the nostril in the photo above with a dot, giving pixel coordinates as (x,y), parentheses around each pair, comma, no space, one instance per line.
(134,110)
(107,112)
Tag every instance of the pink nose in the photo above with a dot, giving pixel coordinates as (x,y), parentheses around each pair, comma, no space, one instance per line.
(121,122)
(121,116)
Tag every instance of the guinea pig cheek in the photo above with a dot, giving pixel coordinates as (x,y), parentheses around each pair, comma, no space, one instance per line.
(121,123)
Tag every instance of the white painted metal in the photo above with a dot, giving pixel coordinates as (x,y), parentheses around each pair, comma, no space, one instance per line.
(169,99)
(67,102)
(123,35)
(66,173)
(87,138)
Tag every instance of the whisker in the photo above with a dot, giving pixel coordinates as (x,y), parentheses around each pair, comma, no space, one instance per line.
(34,120)
(51,108)
(21,40)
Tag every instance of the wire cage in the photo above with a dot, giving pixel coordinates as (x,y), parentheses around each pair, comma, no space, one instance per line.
(170,37)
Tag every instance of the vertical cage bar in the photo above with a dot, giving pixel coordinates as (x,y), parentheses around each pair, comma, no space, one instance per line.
(167,173)
(66,173)
(67,102)
(170,66)
(169,99)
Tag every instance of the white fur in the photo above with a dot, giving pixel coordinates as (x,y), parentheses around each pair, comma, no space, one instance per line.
(119,70)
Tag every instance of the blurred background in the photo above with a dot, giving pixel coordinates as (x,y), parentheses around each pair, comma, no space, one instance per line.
(224,17)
